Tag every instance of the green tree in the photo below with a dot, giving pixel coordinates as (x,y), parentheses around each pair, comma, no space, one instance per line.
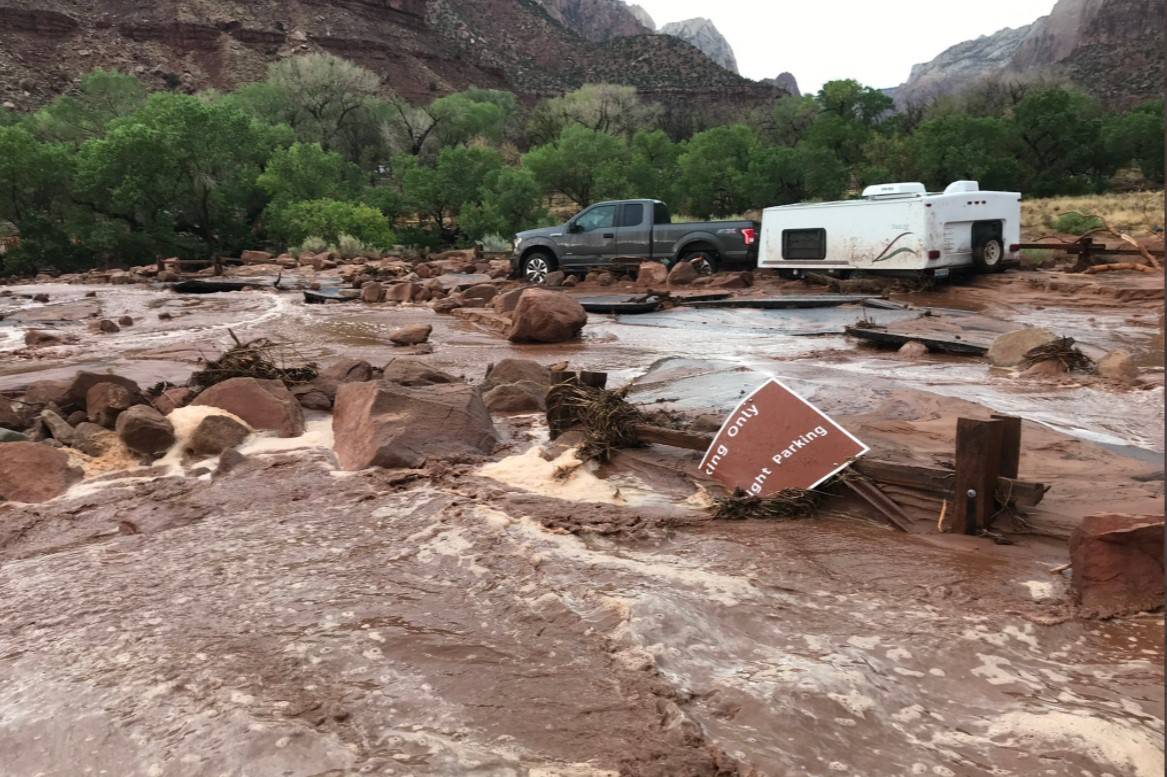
(888,158)
(791,118)
(1137,137)
(292,222)
(614,109)
(714,171)
(35,180)
(475,113)
(180,172)
(509,202)
(1060,142)
(583,164)
(652,169)
(305,171)
(102,96)
(960,147)
(440,191)
(848,99)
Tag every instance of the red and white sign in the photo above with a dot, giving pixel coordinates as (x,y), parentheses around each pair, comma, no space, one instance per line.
(776,440)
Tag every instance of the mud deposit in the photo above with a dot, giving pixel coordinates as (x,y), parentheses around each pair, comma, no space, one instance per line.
(285,619)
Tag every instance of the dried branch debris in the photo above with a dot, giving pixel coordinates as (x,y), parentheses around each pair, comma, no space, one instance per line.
(1061,350)
(788,503)
(261,358)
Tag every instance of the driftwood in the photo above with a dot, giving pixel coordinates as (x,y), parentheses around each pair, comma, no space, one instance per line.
(1063,351)
(1115,266)
(788,503)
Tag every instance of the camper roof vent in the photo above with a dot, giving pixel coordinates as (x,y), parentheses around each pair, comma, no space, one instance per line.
(888,191)
(961,187)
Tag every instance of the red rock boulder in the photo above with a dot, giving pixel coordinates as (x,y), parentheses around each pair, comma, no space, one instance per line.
(652,274)
(1117,564)
(104,402)
(381,424)
(262,404)
(32,472)
(543,316)
(144,430)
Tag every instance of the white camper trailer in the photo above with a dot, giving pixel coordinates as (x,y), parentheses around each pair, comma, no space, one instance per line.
(895,227)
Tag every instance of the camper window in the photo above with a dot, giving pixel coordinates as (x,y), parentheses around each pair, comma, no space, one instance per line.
(803,244)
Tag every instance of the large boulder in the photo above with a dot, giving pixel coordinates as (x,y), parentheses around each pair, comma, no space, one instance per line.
(682,274)
(146,431)
(215,434)
(1009,350)
(372,291)
(388,425)
(483,291)
(515,370)
(415,334)
(33,472)
(255,257)
(1118,564)
(506,302)
(104,402)
(14,415)
(543,316)
(652,274)
(262,404)
(414,372)
(523,396)
(11,435)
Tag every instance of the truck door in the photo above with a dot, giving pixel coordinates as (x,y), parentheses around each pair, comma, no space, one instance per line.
(591,237)
(633,233)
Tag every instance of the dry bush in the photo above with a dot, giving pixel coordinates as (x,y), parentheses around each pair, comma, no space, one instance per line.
(1137,213)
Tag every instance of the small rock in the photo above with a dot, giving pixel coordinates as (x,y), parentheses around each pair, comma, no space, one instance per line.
(342,371)
(732,280)
(107,327)
(255,257)
(58,427)
(93,440)
(403,292)
(173,398)
(126,321)
(423,270)
(914,349)
(165,316)
(453,302)
(483,291)
(570,281)
(229,460)
(9,435)
(682,274)
(415,334)
(40,297)
(555,279)
(521,397)
(1047,369)
(1009,350)
(543,316)
(312,398)
(372,292)
(144,430)
(104,402)
(13,414)
(215,434)
(1118,366)
(515,370)
(605,279)
(652,274)
(414,372)
(38,338)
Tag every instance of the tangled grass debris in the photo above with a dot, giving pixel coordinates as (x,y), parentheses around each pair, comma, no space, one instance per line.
(261,358)
(788,503)
(607,419)
(1063,351)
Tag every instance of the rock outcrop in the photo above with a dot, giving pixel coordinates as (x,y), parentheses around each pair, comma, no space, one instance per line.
(1118,564)
(597,20)
(703,34)
(786,82)
(1104,46)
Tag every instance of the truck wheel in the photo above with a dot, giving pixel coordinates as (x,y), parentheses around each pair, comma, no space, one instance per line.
(537,265)
(989,256)
(703,261)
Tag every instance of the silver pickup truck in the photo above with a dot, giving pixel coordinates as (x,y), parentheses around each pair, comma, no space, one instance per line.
(625,232)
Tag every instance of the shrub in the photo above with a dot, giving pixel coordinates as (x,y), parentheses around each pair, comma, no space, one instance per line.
(1075,223)
(495,244)
(350,247)
(329,219)
(312,244)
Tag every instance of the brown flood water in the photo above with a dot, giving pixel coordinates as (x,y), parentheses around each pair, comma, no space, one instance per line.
(286,619)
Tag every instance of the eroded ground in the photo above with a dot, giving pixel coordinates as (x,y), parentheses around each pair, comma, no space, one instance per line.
(287,619)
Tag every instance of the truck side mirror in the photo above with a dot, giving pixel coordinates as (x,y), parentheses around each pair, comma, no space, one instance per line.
(574,227)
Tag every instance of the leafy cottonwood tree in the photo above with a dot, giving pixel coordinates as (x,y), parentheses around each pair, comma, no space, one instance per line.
(714,167)
(613,109)
(583,164)
(101,97)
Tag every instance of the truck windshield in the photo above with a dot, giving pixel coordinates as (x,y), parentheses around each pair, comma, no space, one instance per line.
(660,214)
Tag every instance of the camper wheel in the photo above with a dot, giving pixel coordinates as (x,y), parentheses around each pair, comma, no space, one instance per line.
(988,255)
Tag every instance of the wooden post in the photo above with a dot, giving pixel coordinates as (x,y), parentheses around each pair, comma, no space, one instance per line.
(1010,444)
(978,462)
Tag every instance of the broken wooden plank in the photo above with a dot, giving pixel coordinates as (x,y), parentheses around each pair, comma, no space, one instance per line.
(673,437)
(883,504)
(1010,444)
(934,342)
(942,481)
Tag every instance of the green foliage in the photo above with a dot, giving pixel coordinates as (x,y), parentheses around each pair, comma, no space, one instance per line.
(960,147)
(652,168)
(583,164)
(101,97)
(509,201)
(850,100)
(313,244)
(1059,132)
(1137,137)
(1074,223)
(350,247)
(614,109)
(494,243)
(474,113)
(714,171)
(440,191)
(305,171)
(294,222)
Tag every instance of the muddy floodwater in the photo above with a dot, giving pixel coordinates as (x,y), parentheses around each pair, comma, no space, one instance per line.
(291,620)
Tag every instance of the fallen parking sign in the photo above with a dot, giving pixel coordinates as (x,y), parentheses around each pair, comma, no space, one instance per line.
(776,440)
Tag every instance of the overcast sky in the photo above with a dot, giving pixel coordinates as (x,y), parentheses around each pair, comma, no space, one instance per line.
(873,41)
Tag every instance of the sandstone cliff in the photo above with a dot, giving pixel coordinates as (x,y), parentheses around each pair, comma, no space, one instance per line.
(703,34)
(596,20)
